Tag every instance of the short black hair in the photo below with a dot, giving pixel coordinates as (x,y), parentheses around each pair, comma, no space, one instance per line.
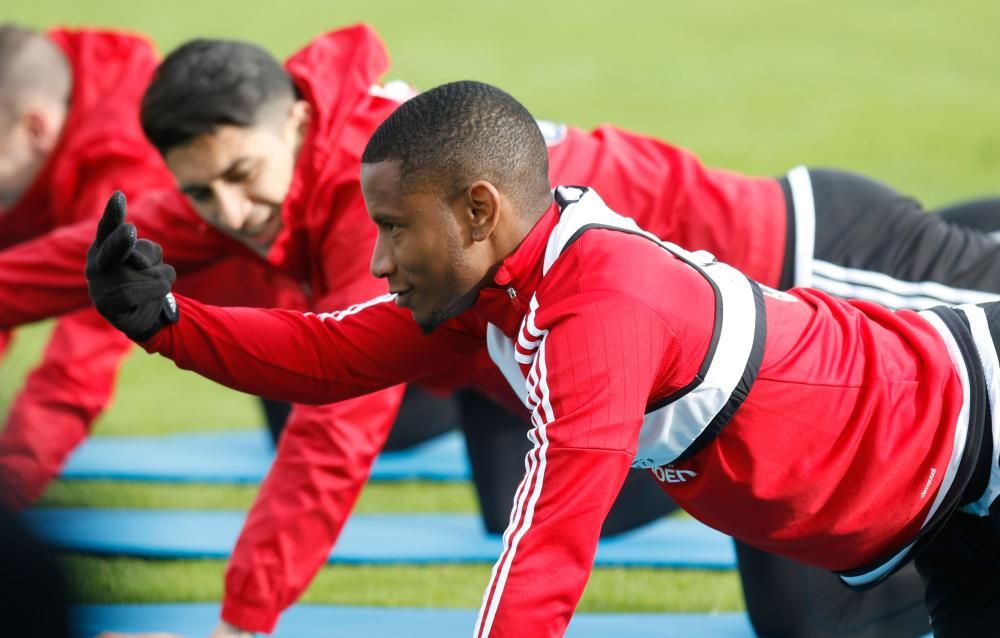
(204,84)
(459,132)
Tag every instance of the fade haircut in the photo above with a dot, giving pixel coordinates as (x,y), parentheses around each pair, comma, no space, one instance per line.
(205,84)
(31,66)
(461,132)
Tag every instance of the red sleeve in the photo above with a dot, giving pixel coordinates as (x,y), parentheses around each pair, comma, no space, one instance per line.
(59,402)
(310,358)
(44,277)
(324,459)
(326,452)
(588,383)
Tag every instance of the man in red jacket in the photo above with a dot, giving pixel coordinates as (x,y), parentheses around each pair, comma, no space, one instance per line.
(69,131)
(836,433)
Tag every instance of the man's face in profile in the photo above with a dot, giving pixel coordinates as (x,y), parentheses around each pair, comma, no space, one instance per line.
(422,246)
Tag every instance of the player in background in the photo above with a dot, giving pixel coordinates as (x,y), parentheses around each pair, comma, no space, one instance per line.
(69,131)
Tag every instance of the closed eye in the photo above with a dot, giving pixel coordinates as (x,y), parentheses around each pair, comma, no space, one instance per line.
(237,177)
(241,170)
(200,194)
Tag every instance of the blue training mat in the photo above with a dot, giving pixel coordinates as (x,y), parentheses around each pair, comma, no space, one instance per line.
(318,621)
(367,538)
(242,456)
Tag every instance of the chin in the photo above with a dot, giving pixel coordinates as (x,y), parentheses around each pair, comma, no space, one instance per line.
(427,324)
(429,321)
(260,250)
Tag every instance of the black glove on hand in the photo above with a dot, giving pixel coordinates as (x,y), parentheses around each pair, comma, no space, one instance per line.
(128,281)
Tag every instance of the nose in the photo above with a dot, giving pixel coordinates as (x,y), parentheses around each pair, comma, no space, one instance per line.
(233,207)
(383,262)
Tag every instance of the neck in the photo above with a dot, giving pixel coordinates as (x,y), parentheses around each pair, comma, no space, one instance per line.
(524,221)
(510,235)
(507,239)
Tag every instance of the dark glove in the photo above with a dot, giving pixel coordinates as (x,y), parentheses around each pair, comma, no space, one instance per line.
(128,281)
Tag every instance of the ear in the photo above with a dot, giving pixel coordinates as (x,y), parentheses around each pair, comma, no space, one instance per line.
(484,205)
(299,116)
(42,129)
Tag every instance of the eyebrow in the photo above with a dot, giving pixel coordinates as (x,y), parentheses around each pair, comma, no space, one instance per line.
(384,218)
(235,166)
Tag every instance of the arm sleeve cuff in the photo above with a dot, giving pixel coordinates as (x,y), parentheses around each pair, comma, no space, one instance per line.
(249,616)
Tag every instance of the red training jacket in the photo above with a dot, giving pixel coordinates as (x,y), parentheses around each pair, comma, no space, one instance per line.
(847,408)
(101,148)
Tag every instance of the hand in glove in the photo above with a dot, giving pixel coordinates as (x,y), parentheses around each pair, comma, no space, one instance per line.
(128,281)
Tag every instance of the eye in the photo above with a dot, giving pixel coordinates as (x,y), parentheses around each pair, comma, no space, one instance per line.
(242,175)
(199,195)
(242,172)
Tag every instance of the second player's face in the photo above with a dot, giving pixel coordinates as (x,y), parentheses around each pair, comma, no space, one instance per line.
(422,248)
(237,178)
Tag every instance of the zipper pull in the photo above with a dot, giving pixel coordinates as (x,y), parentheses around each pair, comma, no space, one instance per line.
(511,292)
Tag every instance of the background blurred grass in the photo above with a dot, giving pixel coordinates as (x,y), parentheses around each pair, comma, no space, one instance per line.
(904,91)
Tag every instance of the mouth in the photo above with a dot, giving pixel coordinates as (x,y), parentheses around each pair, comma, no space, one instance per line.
(263,234)
(401,294)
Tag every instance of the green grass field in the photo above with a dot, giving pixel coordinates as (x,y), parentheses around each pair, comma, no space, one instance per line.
(904,91)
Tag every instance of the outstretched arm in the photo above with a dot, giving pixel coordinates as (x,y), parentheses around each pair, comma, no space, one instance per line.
(285,355)
(305,357)
(42,278)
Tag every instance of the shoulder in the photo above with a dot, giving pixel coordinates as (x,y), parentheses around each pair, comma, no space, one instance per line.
(609,276)
(105,47)
(601,258)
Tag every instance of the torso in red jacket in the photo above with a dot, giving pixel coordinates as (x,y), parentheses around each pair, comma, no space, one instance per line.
(102,147)
(834,457)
